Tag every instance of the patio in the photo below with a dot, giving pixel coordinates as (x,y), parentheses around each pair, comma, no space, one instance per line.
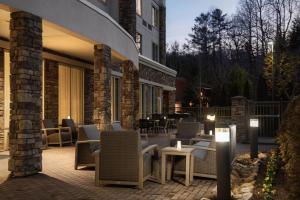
(59,180)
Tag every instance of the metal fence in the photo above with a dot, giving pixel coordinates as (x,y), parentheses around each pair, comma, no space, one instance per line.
(269,115)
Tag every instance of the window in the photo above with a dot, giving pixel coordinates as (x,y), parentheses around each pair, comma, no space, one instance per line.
(154,14)
(70,93)
(139,42)
(154,52)
(139,7)
(115,99)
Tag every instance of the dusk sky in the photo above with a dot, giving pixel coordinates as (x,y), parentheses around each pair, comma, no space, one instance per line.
(181,15)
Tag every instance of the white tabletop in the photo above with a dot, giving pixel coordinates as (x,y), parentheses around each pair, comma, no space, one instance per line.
(174,149)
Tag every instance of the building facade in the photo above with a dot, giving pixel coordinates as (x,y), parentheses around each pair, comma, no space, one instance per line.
(96,61)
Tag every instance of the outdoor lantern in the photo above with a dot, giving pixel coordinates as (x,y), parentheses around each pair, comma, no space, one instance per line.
(210,133)
(69,117)
(211,117)
(178,145)
(222,134)
(223,156)
(254,123)
(148,118)
(253,135)
(165,117)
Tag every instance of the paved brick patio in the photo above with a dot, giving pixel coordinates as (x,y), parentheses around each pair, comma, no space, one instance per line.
(59,180)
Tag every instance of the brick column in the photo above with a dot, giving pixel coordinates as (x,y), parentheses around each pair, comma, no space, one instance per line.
(2,100)
(25,139)
(102,93)
(88,93)
(127,16)
(128,106)
(239,116)
(162,35)
(51,91)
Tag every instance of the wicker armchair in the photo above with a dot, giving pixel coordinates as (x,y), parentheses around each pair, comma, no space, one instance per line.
(203,159)
(70,123)
(122,160)
(186,131)
(56,135)
(86,146)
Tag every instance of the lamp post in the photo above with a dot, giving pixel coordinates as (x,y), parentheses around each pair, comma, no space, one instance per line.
(232,140)
(210,124)
(254,124)
(222,136)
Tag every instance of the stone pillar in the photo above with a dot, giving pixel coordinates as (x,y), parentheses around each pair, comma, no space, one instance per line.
(239,116)
(128,106)
(127,16)
(25,138)
(102,90)
(172,100)
(51,91)
(88,93)
(162,35)
(2,100)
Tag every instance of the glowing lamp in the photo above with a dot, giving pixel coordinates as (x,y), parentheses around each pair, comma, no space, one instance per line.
(210,133)
(148,118)
(254,123)
(69,117)
(165,117)
(222,134)
(211,117)
(178,145)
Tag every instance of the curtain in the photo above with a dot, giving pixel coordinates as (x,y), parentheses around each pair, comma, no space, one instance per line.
(71,93)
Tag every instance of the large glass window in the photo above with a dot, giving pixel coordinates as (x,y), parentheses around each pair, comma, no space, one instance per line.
(139,41)
(151,100)
(115,99)
(70,83)
(139,7)
(154,16)
(154,52)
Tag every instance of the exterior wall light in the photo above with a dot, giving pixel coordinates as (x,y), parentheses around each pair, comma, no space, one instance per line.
(148,118)
(222,137)
(253,135)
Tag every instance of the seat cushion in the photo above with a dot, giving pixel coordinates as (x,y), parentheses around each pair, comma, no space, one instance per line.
(54,138)
(91,132)
(199,153)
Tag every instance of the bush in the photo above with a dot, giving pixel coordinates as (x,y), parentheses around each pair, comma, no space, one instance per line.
(289,146)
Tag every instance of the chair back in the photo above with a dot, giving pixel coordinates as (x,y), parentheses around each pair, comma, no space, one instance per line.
(47,123)
(188,130)
(116,126)
(70,123)
(88,132)
(119,157)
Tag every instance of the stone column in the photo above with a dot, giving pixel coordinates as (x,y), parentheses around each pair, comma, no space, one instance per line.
(2,100)
(127,16)
(172,100)
(239,116)
(88,93)
(51,91)
(102,90)
(136,98)
(128,106)
(162,35)
(25,138)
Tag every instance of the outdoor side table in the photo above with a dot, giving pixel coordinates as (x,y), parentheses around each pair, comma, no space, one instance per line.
(172,151)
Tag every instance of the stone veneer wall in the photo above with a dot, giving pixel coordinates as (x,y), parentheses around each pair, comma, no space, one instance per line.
(154,75)
(1,99)
(51,91)
(136,85)
(128,116)
(127,16)
(162,35)
(239,116)
(25,139)
(88,96)
(102,88)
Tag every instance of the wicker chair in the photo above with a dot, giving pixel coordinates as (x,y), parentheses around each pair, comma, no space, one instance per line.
(204,160)
(86,146)
(70,123)
(122,160)
(56,135)
(186,131)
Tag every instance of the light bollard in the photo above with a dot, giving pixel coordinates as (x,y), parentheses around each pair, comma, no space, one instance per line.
(222,137)
(254,124)
(232,141)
